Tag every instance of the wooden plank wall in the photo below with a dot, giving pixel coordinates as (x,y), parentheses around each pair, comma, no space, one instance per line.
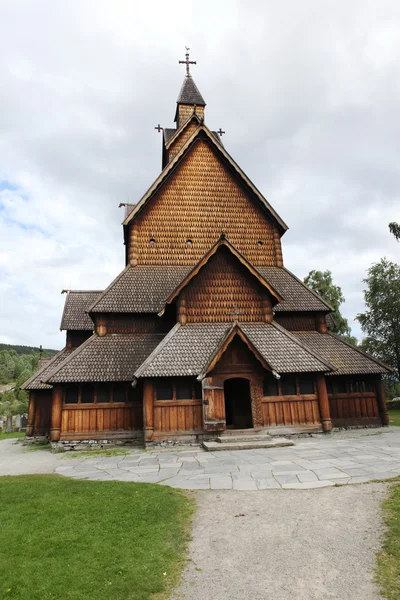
(42,418)
(290,410)
(177,415)
(96,419)
(354,409)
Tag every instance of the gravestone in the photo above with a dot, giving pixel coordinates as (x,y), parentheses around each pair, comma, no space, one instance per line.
(9,424)
(18,423)
(1,423)
(24,422)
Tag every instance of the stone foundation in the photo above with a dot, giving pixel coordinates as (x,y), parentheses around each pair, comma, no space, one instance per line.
(79,445)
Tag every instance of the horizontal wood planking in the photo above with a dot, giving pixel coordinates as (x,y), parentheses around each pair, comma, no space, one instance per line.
(205,199)
(180,415)
(90,418)
(290,410)
(348,407)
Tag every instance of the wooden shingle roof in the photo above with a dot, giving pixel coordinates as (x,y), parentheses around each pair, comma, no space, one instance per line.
(114,357)
(190,93)
(36,382)
(347,359)
(188,350)
(75,314)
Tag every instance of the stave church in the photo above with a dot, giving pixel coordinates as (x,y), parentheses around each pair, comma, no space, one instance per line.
(204,332)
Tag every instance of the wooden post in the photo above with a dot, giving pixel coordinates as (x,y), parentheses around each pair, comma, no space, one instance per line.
(324,407)
(381,399)
(182,317)
(31,413)
(56,410)
(148,410)
(101,326)
(268,314)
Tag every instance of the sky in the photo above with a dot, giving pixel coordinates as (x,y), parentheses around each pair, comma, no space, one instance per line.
(308,94)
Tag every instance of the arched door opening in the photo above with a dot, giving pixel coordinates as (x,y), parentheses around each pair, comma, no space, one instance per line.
(238,404)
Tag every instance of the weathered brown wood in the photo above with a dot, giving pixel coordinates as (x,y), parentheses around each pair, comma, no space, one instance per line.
(101,325)
(56,412)
(148,397)
(320,322)
(381,400)
(323,400)
(31,413)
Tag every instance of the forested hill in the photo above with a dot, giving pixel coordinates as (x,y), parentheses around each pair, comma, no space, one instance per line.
(27,349)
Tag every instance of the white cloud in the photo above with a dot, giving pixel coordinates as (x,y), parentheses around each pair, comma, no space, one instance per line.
(307,92)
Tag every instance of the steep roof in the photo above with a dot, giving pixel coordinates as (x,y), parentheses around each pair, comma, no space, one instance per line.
(114,357)
(190,93)
(140,289)
(36,381)
(203,131)
(189,349)
(347,359)
(76,306)
(297,296)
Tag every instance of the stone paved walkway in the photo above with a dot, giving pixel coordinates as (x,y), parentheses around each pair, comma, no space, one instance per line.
(319,461)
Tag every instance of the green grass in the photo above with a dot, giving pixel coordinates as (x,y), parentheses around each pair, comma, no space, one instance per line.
(99,453)
(15,434)
(394,416)
(388,560)
(65,539)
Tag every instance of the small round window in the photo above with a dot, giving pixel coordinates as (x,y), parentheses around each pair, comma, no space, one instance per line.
(189,243)
(259,243)
(152,242)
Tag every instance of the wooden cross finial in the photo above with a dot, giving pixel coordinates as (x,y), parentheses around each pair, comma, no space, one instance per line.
(187,62)
(220,132)
(159,128)
(236,312)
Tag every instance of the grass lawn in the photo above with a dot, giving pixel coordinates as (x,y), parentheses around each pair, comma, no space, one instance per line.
(394,416)
(15,434)
(388,566)
(90,540)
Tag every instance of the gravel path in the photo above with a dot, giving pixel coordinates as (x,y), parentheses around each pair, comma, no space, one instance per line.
(285,545)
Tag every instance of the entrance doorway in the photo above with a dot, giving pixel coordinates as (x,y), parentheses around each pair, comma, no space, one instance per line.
(238,404)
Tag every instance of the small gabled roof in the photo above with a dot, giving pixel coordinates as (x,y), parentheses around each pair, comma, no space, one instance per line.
(173,134)
(223,241)
(75,316)
(188,350)
(190,93)
(206,134)
(36,382)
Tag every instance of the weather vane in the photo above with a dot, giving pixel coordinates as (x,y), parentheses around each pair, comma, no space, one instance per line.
(187,62)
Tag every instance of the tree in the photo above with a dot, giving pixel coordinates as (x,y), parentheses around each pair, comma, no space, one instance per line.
(395,229)
(322,283)
(381,321)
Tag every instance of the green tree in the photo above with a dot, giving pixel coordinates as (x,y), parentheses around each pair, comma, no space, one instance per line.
(322,283)
(395,229)
(381,321)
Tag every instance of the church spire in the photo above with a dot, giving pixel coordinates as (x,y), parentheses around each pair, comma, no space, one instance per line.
(189,100)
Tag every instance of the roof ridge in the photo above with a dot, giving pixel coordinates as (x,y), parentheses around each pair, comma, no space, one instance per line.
(362,352)
(304,346)
(156,350)
(114,281)
(71,356)
(42,368)
(221,149)
(183,126)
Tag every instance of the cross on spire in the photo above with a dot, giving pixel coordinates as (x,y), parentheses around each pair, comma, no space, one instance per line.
(236,312)
(220,132)
(187,62)
(159,128)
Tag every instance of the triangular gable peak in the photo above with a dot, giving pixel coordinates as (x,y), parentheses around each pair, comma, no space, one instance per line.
(223,242)
(233,335)
(203,131)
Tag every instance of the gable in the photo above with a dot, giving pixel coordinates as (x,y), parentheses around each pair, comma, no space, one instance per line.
(199,200)
(182,138)
(222,284)
(237,357)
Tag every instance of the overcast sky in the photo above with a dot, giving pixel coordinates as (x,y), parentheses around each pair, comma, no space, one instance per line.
(308,94)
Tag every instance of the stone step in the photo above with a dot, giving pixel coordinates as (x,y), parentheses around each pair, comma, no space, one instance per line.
(276,442)
(233,439)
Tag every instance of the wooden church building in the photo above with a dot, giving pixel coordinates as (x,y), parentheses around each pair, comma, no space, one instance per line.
(204,330)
